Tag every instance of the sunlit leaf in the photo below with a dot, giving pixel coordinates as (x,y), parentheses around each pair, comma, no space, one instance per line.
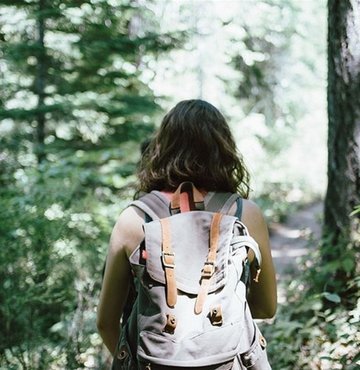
(332,297)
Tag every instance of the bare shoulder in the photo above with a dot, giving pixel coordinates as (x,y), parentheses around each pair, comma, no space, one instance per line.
(252,214)
(254,220)
(128,232)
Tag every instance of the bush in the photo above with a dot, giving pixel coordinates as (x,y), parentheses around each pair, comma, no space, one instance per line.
(315,330)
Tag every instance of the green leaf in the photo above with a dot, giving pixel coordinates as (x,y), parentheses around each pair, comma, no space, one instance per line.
(332,297)
(348,264)
(355,211)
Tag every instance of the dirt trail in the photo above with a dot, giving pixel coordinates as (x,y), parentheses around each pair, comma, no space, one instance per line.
(293,239)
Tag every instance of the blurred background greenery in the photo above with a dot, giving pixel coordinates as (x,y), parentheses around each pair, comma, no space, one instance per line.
(83,84)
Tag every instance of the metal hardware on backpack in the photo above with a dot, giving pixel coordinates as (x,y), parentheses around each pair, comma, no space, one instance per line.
(191,309)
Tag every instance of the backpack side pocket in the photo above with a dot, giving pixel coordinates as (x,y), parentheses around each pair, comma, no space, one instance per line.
(255,358)
(123,359)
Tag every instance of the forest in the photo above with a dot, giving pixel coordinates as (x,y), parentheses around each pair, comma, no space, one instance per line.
(84,83)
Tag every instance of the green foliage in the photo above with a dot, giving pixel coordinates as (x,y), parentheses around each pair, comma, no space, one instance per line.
(51,236)
(276,202)
(316,328)
(306,335)
(339,259)
(356,211)
(270,58)
(56,216)
(74,108)
(90,69)
(280,69)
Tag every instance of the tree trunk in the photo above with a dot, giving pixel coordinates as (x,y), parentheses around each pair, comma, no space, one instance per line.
(343,192)
(40,83)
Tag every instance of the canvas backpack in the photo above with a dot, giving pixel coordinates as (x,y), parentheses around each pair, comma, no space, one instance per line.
(191,274)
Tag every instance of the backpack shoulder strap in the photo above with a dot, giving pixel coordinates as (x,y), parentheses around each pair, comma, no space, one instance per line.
(157,206)
(154,204)
(222,202)
(239,208)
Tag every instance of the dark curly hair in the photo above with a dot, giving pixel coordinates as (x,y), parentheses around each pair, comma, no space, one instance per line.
(194,143)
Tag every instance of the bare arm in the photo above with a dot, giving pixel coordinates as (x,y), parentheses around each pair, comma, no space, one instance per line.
(262,296)
(126,235)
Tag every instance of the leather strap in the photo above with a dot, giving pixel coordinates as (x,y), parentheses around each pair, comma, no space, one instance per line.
(196,199)
(209,267)
(156,205)
(168,260)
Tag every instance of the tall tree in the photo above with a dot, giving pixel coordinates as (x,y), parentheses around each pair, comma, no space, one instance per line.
(79,66)
(343,192)
(74,105)
(40,80)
